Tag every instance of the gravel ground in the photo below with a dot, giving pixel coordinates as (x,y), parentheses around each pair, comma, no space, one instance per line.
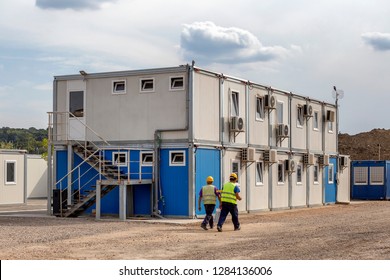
(357,231)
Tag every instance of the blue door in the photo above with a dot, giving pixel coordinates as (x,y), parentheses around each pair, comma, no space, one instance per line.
(330,181)
(207,164)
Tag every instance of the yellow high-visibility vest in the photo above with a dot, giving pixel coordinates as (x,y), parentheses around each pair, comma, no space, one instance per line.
(208,195)
(228,194)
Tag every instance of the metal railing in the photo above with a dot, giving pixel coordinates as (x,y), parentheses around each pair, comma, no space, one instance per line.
(92,154)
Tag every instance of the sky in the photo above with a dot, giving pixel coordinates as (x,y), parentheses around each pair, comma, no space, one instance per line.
(306,47)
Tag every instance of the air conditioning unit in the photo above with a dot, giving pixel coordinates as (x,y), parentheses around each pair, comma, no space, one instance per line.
(330,116)
(323,160)
(269,101)
(308,159)
(289,165)
(283,130)
(307,110)
(271,156)
(343,161)
(248,154)
(237,124)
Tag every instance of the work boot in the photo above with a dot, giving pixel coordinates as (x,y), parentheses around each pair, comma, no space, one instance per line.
(238,228)
(219,228)
(203,226)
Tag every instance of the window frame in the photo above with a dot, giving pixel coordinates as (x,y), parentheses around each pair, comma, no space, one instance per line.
(172,161)
(316,174)
(237,170)
(300,117)
(175,88)
(74,113)
(360,172)
(6,181)
(234,103)
(142,82)
(259,177)
(281,171)
(260,108)
(279,112)
(146,154)
(382,173)
(299,174)
(316,121)
(331,173)
(119,163)
(118,92)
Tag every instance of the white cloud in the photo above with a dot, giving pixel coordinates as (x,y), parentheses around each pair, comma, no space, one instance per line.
(379,41)
(206,41)
(72,4)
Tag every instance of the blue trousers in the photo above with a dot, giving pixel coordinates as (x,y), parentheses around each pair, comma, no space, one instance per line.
(226,209)
(208,219)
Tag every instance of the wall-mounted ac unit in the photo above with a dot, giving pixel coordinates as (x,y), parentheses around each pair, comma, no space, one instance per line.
(289,165)
(271,156)
(308,159)
(323,160)
(269,102)
(343,161)
(237,124)
(283,130)
(248,154)
(307,110)
(330,116)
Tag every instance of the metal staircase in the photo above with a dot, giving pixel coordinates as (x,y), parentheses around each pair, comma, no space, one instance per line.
(75,192)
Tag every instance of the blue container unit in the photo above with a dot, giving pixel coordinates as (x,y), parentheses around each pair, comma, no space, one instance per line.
(370,180)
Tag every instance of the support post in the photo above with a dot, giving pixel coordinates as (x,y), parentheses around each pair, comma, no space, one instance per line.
(98,200)
(122,202)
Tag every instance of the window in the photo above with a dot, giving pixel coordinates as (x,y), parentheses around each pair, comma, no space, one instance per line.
(76,103)
(360,175)
(315,174)
(259,173)
(146,158)
(279,110)
(259,108)
(177,158)
(281,173)
(330,126)
(176,83)
(234,112)
(236,169)
(299,173)
(330,174)
(119,158)
(119,87)
(376,175)
(10,172)
(299,116)
(147,85)
(315,121)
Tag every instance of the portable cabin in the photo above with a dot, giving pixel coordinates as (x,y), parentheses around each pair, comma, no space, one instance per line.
(12,176)
(370,179)
(142,142)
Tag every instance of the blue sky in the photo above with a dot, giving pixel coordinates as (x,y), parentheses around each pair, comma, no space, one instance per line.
(302,46)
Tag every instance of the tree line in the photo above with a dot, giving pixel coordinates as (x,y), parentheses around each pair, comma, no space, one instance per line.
(33,140)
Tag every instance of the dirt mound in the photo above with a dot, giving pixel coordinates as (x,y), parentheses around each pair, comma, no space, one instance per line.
(372,145)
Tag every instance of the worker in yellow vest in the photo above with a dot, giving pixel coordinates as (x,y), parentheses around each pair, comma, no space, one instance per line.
(229,195)
(209,194)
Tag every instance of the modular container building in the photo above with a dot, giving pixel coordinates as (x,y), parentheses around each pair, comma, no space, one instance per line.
(142,142)
(370,179)
(12,176)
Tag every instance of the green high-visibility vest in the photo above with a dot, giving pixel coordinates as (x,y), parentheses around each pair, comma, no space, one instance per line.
(208,195)
(228,194)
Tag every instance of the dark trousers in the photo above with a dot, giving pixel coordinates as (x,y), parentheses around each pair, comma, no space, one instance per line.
(208,219)
(226,209)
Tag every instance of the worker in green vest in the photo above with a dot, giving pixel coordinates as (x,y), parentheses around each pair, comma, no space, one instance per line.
(229,194)
(209,194)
